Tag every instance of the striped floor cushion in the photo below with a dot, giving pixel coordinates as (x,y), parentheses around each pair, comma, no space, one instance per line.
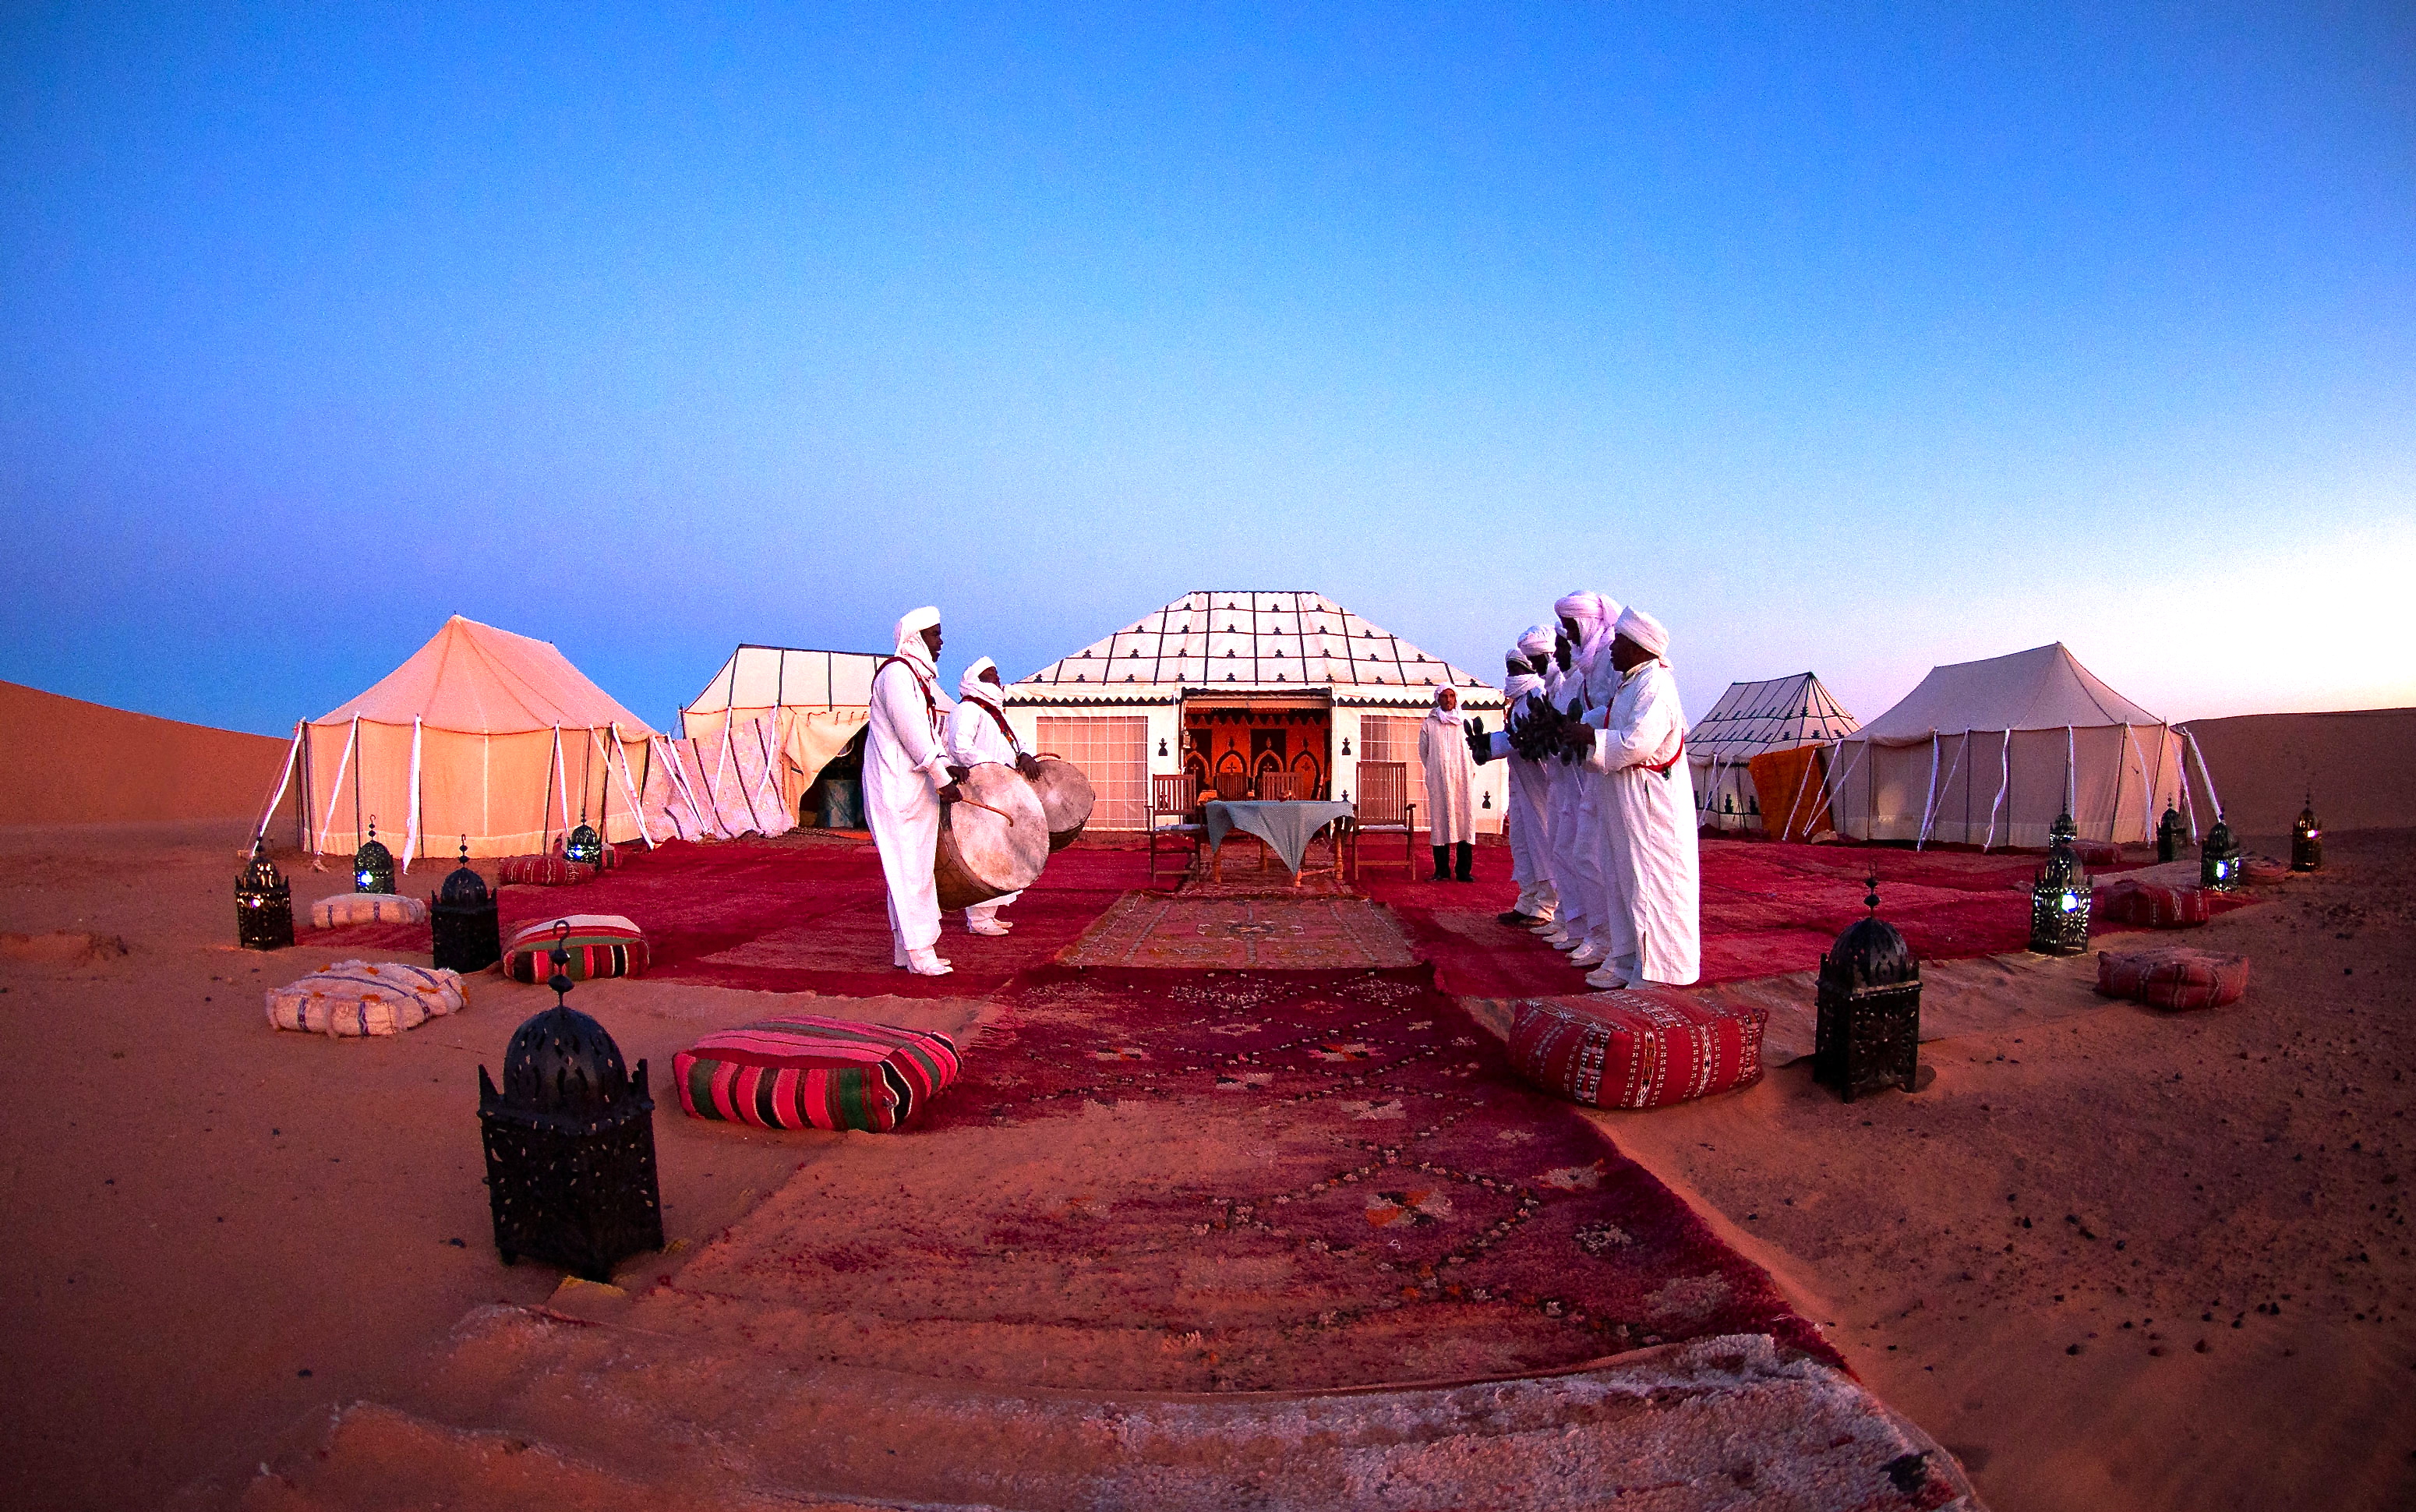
(807,1072)
(2152,907)
(600,945)
(334,913)
(541,872)
(2174,977)
(1644,1047)
(354,999)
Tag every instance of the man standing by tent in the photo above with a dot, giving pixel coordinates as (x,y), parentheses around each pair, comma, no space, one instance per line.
(1442,752)
(978,732)
(907,775)
(1649,867)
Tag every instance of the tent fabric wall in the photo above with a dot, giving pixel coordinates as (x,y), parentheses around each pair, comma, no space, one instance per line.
(481,737)
(1792,786)
(1989,753)
(1750,718)
(719,784)
(801,705)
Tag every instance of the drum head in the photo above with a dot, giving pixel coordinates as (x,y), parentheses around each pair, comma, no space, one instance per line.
(993,844)
(1065,799)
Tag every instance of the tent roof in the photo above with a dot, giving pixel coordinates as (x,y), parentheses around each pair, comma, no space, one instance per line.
(769,676)
(1247,639)
(2045,688)
(1775,715)
(475,679)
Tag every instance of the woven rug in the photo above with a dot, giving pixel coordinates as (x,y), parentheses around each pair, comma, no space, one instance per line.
(1198,1182)
(1246,933)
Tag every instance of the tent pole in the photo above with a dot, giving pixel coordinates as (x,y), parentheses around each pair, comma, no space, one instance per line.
(358,762)
(637,808)
(1930,800)
(302,799)
(283,779)
(2147,780)
(2071,795)
(560,791)
(545,805)
(1951,769)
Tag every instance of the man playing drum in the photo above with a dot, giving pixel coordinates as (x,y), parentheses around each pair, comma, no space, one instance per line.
(978,732)
(907,775)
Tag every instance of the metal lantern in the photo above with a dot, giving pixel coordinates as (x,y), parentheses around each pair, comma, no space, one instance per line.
(372,865)
(2060,899)
(585,846)
(463,920)
(2307,840)
(264,905)
(570,1143)
(1866,1034)
(2218,859)
(2171,834)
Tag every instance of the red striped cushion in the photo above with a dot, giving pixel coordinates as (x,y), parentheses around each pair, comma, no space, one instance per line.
(807,1072)
(1645,1047)
(541,872)
(600,944)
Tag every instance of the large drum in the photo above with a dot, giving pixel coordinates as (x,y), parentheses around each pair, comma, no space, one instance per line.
(1065,799)
(995,844)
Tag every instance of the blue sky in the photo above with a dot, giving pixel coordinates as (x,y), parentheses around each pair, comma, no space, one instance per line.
(1857,343)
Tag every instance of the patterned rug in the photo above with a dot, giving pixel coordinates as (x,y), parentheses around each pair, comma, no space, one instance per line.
(1191,1182)
(1241,933)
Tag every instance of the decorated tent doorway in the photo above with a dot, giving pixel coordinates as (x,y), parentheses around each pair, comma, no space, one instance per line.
(1230,742)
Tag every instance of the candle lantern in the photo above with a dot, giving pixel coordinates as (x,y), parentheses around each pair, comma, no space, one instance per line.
(2218,859)
(2060,897)
(2171,834)
(2307,840)
(1866,1033)
(585,846)
(264,905)
(372,865)
(570,1143)
(463,921)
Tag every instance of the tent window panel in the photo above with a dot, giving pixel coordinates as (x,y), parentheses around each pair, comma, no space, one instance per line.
(1389,737)
(1113,753)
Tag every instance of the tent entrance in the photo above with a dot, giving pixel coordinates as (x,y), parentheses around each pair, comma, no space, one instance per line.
(1231,741)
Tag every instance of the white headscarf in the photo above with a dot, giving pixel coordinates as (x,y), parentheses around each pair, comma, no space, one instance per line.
(1537,642)
(1440,715)
(1593,613)
(971,686)
(1644,631)
(910,648)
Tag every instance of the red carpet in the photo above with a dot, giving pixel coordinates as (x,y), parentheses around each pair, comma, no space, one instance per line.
(1198,1181)
(790,916)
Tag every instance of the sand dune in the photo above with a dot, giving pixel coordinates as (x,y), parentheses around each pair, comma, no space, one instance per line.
(2359,763)
(73,762)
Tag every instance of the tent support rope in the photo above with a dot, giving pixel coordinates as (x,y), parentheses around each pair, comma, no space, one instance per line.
(1929,802)
(283,780)
(2004,780)
(2212,795)
(411,826)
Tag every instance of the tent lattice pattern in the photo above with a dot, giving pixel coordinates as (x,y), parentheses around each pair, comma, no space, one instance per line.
(1210,639)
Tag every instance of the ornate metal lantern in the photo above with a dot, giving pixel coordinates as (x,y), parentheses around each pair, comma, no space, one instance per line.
(2060,899)
(570,1143)
(2218,859)
(2307,840)
(264,905)
(372,865)
(463,920)
(585,846)
(1868,1031)
(2171,834)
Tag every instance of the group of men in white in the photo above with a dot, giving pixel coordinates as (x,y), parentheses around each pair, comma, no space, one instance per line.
(1602,806)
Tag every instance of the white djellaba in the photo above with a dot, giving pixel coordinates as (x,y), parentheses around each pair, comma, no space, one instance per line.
(1529,785)
(978,732)
(1443,752)
(905,766)
(1597,933)
(1568,927)
(1651,862)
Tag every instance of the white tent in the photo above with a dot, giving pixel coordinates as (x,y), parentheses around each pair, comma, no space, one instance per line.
(1777,713)
(1989,753)
(1231,685)
(752,742)
(482,736)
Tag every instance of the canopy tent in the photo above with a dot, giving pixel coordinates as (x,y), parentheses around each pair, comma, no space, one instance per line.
(482,736)
(751,744)
(1230,687)
(1753,719)
(1989,753)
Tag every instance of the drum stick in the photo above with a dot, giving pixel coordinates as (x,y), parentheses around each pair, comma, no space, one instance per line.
(1001,812)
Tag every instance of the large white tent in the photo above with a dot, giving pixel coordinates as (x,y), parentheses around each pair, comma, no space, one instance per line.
(482,736)
(751,743)
(1989,753)
(1752,719)
(1233,683)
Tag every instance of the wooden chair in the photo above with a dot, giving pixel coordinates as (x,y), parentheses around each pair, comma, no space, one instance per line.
(1174,795)
(1384,808)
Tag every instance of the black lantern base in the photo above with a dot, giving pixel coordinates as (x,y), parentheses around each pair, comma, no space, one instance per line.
(579,1194)
(466,939)
(1866,1038)
(2057,931)
(267,925)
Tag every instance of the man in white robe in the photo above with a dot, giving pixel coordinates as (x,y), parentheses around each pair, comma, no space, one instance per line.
(1651,864)
(978,732)
(1442,752)
(1590,936)
(1530,859)
(907,775)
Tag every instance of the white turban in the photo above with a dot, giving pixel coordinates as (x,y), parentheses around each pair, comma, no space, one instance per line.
(971,686)
(910,636)
(1521,683)
(1593,613)
(1644,631)
(1450,716)
(1537,642)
